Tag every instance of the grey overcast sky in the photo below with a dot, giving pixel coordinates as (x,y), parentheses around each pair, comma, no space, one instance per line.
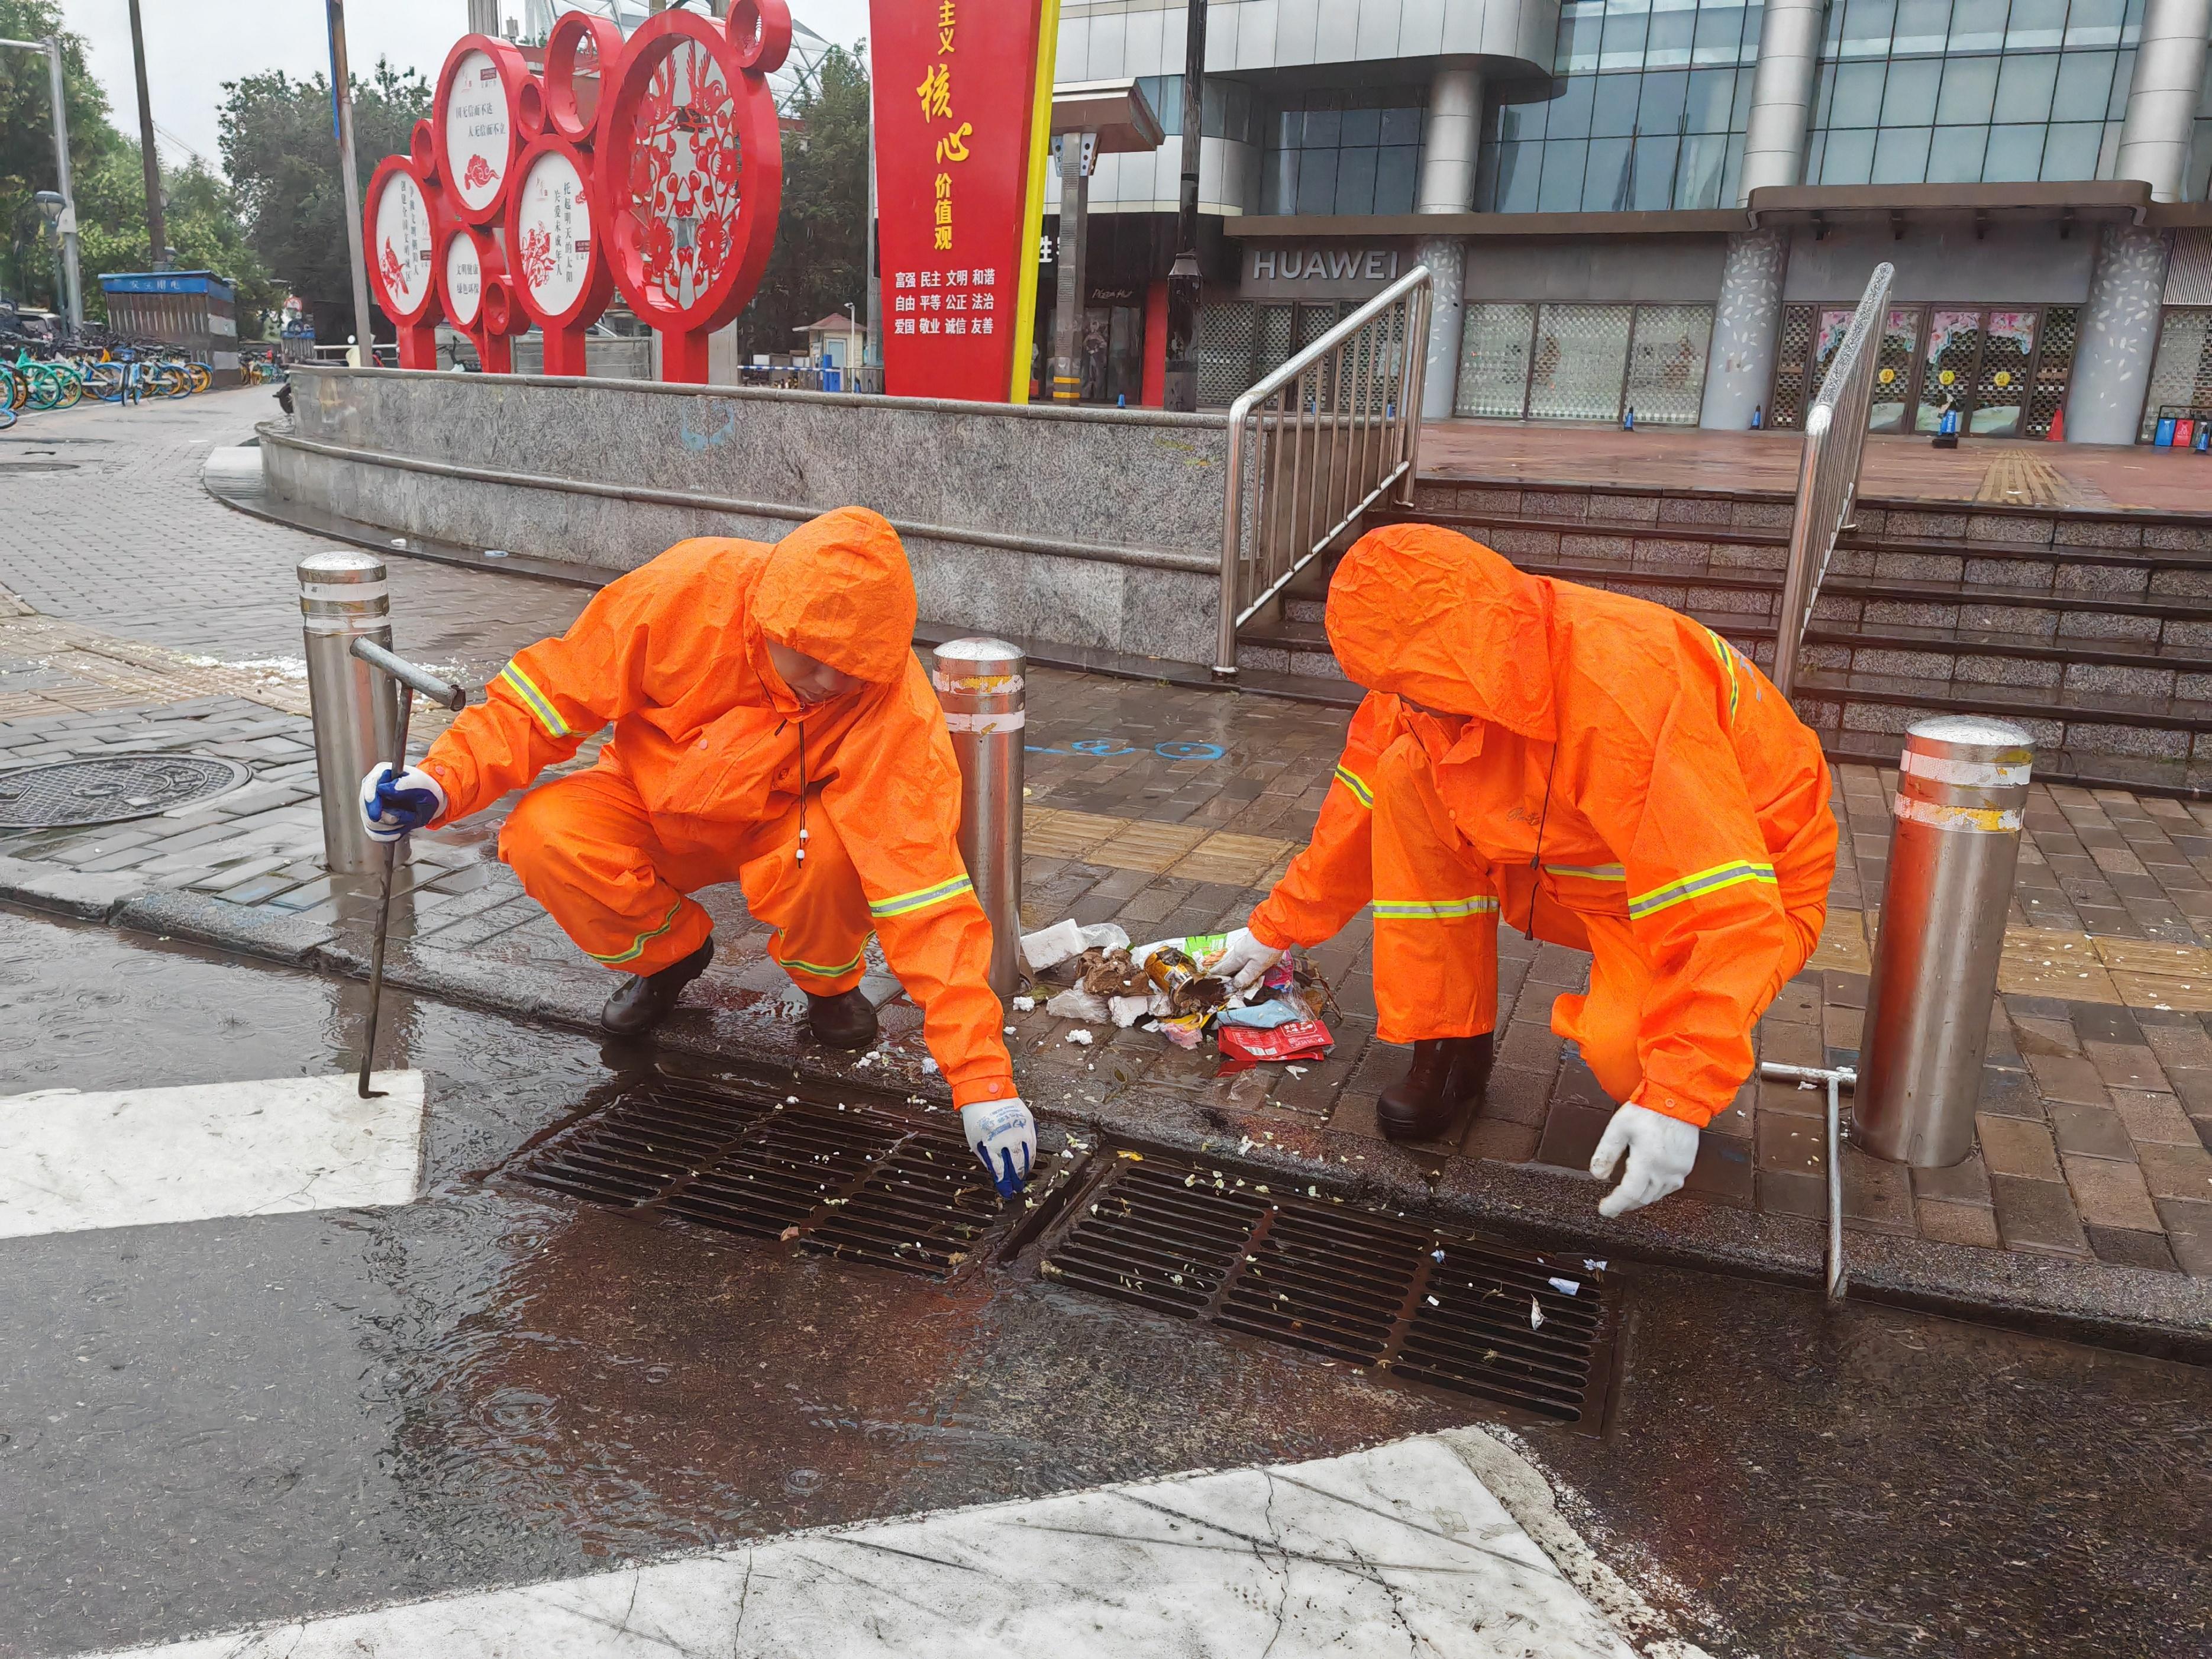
(192,47)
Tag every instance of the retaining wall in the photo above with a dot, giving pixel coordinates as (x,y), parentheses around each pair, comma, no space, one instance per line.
(1097,528)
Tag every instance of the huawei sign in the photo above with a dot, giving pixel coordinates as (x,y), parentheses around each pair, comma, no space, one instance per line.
(653,165)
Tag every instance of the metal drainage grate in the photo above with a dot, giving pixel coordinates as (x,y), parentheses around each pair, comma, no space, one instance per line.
(1350,1284)
(111,789)
(864,1183)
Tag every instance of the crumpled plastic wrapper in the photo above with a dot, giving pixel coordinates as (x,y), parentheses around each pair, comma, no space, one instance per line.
(1050,946)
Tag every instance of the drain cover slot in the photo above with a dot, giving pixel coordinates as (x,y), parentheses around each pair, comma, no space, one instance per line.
(111,789)
(1351,1285)
(864,1183)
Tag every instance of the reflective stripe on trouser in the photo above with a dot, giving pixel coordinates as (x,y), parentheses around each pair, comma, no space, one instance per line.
(1436,924)
(617,880)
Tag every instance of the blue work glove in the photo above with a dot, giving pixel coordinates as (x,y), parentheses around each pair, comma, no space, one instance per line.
(392,806)
(1004,1135)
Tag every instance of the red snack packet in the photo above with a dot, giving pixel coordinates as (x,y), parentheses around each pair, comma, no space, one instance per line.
(1244,1047)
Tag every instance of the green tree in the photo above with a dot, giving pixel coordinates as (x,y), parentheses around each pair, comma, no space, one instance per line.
(820,262)
(281,153)
(202,222)
(27,145)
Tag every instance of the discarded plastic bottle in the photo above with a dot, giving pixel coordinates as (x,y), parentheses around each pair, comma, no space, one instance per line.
(1758,416)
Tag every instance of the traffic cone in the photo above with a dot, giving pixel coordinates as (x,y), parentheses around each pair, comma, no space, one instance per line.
(2058,425)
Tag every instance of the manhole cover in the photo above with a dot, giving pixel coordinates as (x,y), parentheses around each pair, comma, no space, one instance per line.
(1523,1329)
(862,1182)
(8,467)
(111,789)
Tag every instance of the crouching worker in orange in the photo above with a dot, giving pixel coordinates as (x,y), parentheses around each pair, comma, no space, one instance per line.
(772,728)
(1603,773)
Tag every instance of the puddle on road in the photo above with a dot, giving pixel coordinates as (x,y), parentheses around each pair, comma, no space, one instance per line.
(204,1425)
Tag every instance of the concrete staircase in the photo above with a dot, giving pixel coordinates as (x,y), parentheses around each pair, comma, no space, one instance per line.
(2093,629)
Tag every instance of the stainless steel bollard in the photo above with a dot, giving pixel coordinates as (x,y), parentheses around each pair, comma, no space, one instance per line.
(980,682)
(343,598)
(1961,790)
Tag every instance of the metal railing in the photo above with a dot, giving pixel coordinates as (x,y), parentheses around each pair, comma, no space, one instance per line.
(1316,443)
(1829,471)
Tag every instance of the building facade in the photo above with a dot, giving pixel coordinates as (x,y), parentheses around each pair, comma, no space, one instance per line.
(1671,205)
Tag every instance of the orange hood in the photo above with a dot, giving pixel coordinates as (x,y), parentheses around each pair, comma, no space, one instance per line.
(839,589)
(1428,615)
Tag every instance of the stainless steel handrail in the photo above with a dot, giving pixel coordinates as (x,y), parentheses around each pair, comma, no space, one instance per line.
(1829,471)
(1349,432)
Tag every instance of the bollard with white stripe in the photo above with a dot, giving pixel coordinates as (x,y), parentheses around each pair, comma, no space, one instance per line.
(1961,790)
(979,681)
(343,598)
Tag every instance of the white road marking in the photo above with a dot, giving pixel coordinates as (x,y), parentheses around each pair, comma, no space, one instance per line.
(70,1162)
(1397,1549)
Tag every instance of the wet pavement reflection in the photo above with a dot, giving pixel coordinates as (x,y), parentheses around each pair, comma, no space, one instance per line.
(207,1425)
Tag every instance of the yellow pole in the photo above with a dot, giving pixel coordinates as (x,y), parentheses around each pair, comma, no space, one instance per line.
(1033,213)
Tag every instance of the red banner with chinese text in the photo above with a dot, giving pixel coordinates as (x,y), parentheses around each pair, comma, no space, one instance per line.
(963,102)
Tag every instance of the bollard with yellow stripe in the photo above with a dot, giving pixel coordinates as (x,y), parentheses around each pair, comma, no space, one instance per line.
(1961,789)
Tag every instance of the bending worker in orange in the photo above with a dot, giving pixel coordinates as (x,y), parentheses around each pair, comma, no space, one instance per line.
(1602,772)
(772,728)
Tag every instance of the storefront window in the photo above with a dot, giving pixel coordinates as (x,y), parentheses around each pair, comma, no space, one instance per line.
(1584,362)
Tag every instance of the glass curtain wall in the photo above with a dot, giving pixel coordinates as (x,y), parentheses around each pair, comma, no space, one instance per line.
(1349,149)
(1975,92)
(1646,111)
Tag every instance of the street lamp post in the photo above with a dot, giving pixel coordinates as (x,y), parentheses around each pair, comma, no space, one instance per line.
(73,302)
(1181,390)
(342,119)
(156,232)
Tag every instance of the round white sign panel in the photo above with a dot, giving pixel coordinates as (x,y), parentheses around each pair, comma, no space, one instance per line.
(555,218)
(402,254)
(464,279)
(476,131)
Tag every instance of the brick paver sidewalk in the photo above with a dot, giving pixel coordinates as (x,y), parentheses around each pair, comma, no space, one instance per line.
(1171,810)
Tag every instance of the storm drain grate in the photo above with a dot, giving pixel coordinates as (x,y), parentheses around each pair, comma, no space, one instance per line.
(112,789)
(862,1183)
(1461,1313)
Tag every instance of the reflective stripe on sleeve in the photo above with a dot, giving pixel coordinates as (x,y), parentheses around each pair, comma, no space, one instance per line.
(1698,885)
(1358,785)
(1728,664)
(1436,910)
(921,899)
(534,699)
(1588,872)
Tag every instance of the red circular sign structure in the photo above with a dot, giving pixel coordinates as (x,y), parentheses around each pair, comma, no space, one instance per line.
(404,224)
(556,265)
(583,54)
(478,122)
(472,286)
(690,176)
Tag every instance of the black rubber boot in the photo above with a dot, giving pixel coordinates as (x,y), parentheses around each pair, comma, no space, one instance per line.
(847,1020)
(1429,1102)
(643,1001)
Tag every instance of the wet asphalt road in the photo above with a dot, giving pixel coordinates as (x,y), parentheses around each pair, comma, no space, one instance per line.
(207,1425)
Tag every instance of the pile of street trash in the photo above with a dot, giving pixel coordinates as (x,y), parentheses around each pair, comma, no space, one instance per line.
(1165,987)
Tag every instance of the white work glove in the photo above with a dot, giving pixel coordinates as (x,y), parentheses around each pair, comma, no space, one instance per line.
(391,807)
(1661,1149)
(1004,1135)
(1243,960)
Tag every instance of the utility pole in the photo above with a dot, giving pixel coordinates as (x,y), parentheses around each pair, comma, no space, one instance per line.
(155,228)
(1181,392)
(342,120)
(66,222)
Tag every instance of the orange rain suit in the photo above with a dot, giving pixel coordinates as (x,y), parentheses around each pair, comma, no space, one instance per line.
(1629,784)
(715,771)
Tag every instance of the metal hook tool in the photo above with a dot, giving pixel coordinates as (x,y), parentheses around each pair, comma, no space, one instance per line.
(1838,1078)
(410,679)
